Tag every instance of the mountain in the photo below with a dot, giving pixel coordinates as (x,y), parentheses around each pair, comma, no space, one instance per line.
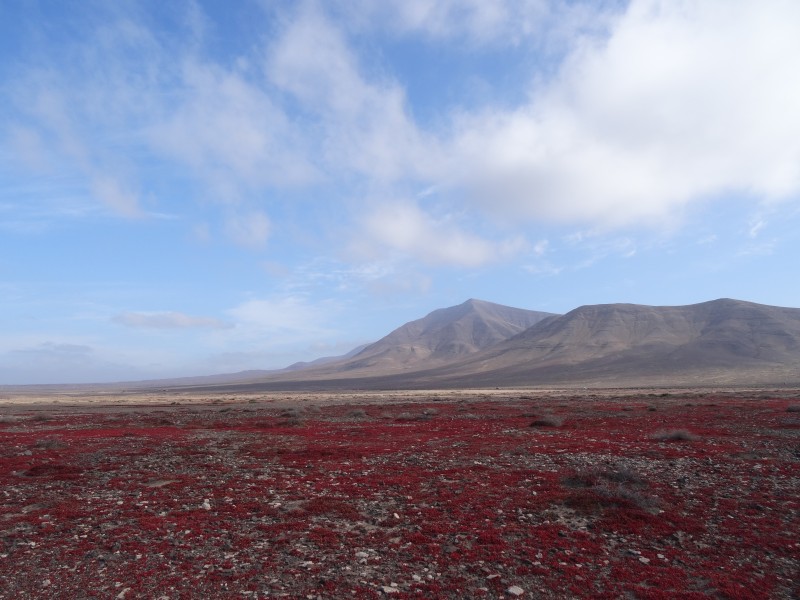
(298,366)
(722,340)
(443,336)
(480,344)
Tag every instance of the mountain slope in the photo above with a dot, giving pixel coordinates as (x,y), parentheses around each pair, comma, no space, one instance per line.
(443,336)
(724,339)
(480,344)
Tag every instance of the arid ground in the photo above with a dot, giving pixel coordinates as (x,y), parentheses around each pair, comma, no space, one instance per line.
(500,493)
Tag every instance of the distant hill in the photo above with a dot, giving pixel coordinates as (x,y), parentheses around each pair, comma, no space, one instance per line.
(481,344)
(722,341)
(443,336)
(298,366)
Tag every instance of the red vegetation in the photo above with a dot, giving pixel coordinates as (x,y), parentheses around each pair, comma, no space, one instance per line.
(439,499)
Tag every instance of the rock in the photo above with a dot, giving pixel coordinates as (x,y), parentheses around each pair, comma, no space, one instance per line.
(515,590)
(387,589)
(644,560)
(206,505)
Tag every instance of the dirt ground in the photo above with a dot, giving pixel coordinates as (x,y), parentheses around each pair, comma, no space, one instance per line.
(474,493)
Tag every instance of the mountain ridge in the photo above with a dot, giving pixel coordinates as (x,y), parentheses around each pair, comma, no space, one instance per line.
(629,341)
(483,344)
(442,335)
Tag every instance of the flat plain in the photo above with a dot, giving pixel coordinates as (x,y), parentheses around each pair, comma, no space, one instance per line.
(474,493)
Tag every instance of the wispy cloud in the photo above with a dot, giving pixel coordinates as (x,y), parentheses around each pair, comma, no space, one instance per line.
(405,228)
(662,106)
(250,230)
(366,125)
(292,317)
(168,320)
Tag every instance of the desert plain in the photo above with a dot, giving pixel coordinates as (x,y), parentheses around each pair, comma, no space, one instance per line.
(498,493)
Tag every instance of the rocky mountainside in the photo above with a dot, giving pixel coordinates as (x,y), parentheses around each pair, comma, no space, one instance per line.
(443,336)
(723,340)
(480,344)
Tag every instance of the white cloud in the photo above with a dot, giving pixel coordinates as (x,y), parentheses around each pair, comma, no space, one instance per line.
(115,196)
(230,132)
(477,22)
(683,102)
(657,106)
(289,318)
(168,320)
(541,247)
(405,228)
(365,125)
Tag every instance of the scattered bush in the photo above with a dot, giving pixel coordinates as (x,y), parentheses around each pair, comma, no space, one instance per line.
(547,421)
(50,444)
(674,435)
(793,408)
(617,487)
(358,413)
(625,497)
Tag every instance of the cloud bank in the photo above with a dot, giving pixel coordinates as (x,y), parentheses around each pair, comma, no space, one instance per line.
(657,108)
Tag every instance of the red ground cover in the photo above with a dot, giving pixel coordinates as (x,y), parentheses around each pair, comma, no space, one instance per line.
(651,496)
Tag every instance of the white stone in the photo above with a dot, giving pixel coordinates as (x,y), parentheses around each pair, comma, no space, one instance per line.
(515,590)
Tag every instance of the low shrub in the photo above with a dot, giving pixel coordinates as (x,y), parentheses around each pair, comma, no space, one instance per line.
(50,444)
(615,487)
(548,421)
(674,435)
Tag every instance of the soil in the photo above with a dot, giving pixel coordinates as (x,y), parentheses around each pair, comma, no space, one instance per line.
(495,494)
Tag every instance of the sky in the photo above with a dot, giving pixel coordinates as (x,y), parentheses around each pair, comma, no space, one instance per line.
(204,187)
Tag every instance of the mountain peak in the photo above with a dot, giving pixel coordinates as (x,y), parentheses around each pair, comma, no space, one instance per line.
(446,334)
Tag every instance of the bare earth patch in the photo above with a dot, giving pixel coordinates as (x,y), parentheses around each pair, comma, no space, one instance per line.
(423,495)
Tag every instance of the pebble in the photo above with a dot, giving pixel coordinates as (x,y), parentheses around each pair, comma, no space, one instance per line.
(387,589)
(206,504)
(515,590)
(644,560)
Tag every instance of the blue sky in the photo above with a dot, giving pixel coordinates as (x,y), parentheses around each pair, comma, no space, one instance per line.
(206,187)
